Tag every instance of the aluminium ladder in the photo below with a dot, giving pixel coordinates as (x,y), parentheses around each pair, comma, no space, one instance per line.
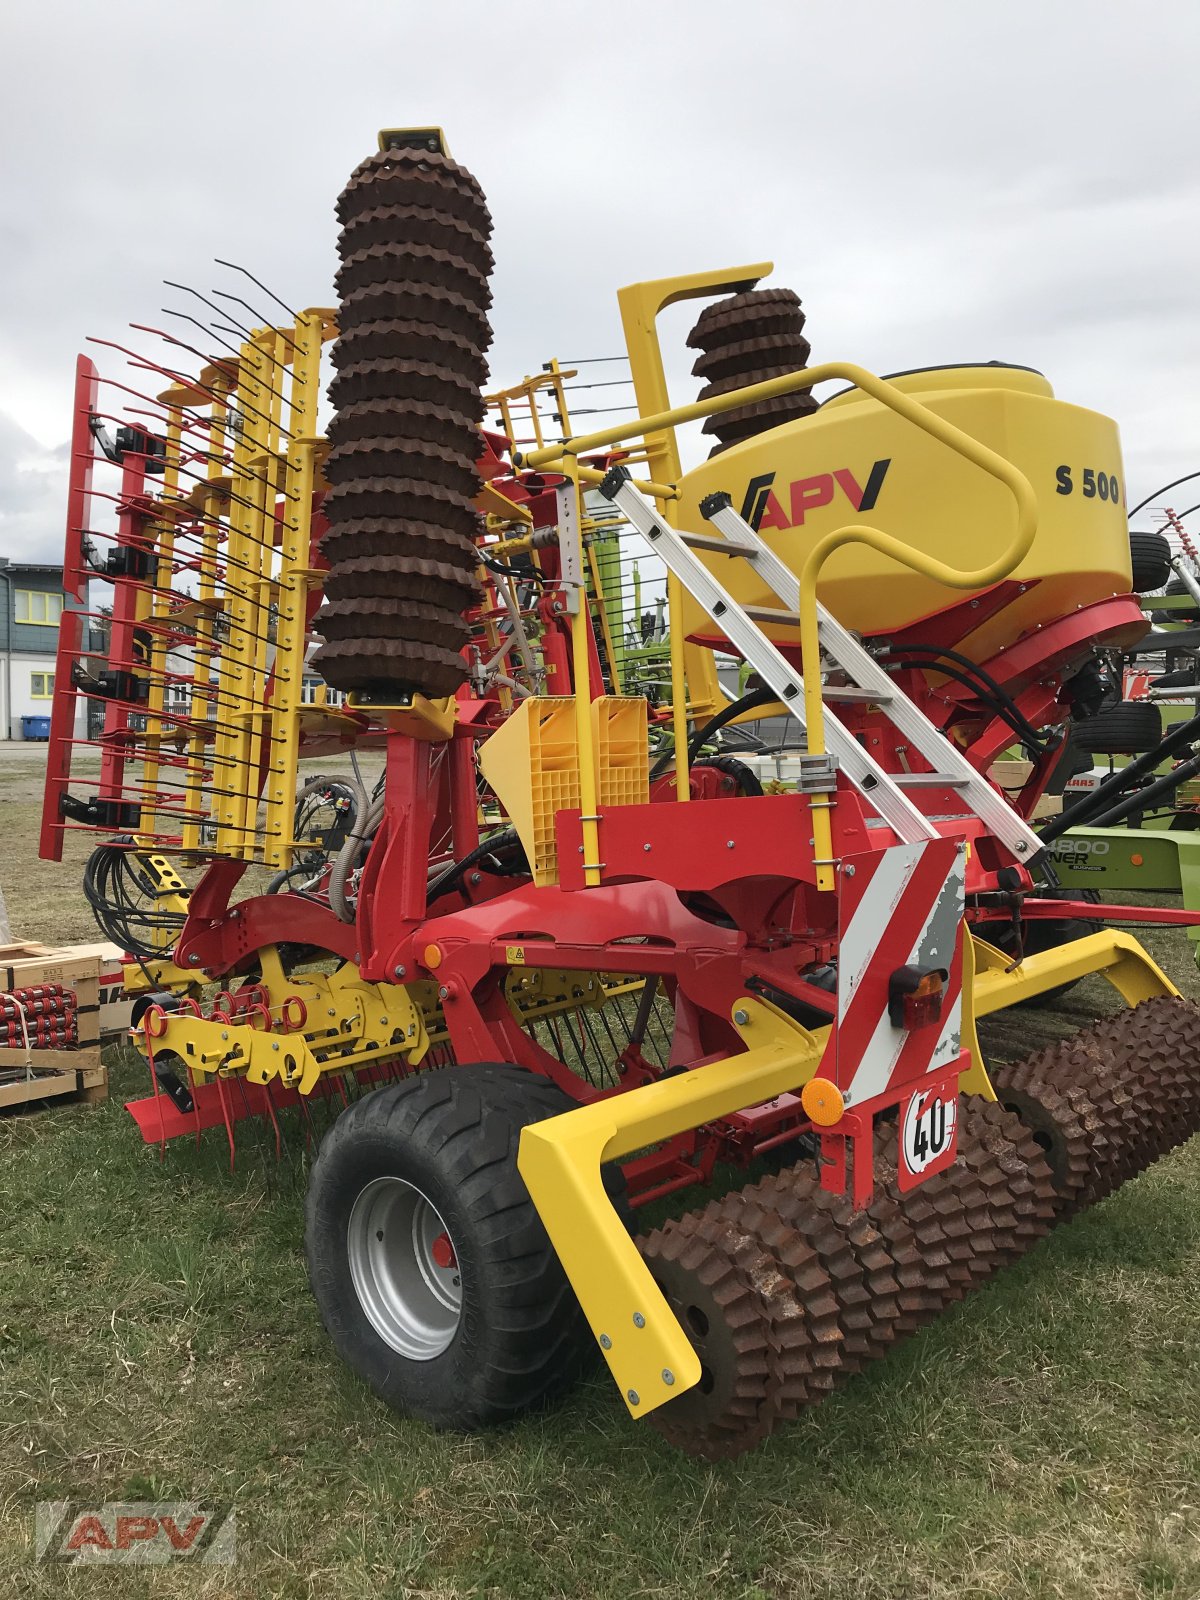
(866,680)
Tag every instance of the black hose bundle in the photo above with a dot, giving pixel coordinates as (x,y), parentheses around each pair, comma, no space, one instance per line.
(124,901)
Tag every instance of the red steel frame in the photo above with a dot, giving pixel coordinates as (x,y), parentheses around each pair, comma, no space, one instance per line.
(727,904)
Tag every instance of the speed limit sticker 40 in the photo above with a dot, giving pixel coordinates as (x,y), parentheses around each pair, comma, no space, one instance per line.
(928,1135)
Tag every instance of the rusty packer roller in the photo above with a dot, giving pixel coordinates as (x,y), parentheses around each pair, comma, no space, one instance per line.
(787,1290)
(411,362)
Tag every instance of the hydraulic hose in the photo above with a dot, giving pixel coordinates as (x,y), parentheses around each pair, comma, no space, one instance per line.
(761,696)
(1114,787)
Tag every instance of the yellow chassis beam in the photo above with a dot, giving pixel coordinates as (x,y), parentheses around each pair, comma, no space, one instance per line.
(1112,953)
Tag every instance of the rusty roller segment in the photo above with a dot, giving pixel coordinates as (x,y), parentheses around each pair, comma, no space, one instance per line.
(403,458)
(1132,1084)
(410,499)
(748,338)
(762,1319)
(400,340)
(393,619)
(441,229)
(409,380)
(410,367)
(404,577)
(417,264)
(381,538)
(425,179)
(415,302)
(392,661)
(786,1290)
(398,423)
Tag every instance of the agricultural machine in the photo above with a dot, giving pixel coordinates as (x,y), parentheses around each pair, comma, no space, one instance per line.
(566,956)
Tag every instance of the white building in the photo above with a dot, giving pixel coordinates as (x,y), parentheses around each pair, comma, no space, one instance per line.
(31,604)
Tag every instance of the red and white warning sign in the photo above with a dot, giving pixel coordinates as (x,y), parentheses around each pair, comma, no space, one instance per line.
(900,966)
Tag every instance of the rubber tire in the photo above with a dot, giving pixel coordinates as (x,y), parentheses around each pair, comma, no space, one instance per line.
(522,1339)
(1150,557)
(745,779)
(1128,729)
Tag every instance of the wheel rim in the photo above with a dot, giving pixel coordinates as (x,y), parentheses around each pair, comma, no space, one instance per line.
(405,1268)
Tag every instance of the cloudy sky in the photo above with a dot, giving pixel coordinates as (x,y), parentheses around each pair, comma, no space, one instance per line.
(940,180)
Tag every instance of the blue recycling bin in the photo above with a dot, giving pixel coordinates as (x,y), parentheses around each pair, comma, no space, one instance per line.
(35,727)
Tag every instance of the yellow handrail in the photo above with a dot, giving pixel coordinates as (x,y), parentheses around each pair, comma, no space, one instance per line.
(853,533)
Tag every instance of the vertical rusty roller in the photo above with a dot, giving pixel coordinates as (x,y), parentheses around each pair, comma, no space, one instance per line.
(746,339)
(411,362)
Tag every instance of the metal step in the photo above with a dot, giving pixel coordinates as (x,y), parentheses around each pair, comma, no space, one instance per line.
(878,697)
(721,547)
(929,780)
(772,614)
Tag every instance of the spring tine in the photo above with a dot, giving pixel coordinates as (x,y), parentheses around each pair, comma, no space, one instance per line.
(266,322)
(246,273)
(223,1096)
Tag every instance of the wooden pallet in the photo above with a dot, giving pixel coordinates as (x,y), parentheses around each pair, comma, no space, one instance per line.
(79,1073)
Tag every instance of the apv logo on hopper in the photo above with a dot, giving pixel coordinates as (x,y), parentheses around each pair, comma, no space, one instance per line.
(763,508)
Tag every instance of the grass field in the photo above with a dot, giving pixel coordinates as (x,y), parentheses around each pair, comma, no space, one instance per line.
(157,1341)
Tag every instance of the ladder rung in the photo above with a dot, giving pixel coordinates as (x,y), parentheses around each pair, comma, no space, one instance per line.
(878,697)
(722,547)
(928,780)
(772,614)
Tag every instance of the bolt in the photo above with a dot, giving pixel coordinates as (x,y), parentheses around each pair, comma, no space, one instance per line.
(193,960)
(443,993)
(729,844)
(633,1397)
(668,1376)
(400,972)
(457,1281)
(645,847)
(477,877)
(639,1320)
(849,870)
(275,1047)
(845,1097)
(741,1016)
(605,1342)
(224,1035)
(331,1012)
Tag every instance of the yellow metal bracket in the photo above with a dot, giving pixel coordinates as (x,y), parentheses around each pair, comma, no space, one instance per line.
(1114,954)
(345,1024)
(647,1351)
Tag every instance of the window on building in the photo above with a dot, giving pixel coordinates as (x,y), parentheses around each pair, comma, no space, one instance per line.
(41,685)
(36,605)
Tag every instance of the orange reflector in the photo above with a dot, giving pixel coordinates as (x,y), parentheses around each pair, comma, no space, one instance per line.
(432,957)
(1136,860)
(822,1102)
